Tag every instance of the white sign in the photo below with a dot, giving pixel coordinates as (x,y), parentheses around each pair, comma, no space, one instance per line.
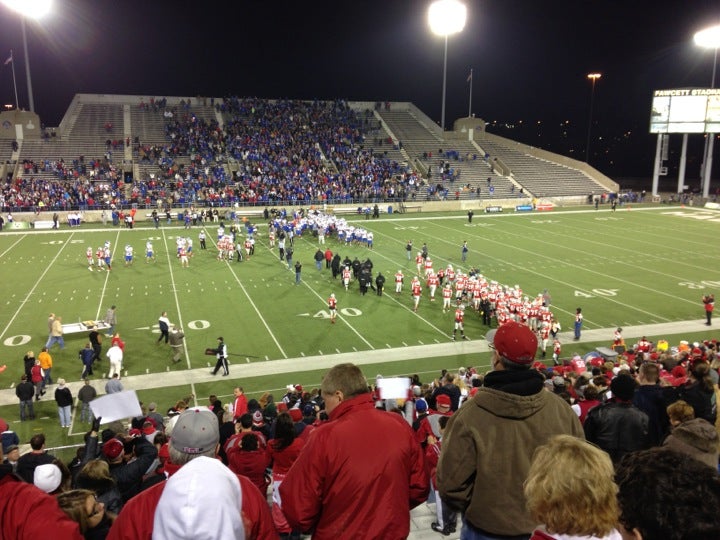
(116,406)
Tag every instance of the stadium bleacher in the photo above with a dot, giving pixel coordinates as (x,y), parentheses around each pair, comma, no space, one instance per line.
(245,152)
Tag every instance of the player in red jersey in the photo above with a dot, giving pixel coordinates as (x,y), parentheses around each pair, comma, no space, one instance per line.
(399,280)
(432,283)
(557,349)
(428,267)
(416,292)
(332,306)
(100,255)
(459,317)
(447,296)
(450,273)
(544,336)
(346,277)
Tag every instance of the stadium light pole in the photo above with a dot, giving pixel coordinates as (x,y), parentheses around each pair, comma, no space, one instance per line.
(709,38)
(593,79)
(446,17)
(33,9)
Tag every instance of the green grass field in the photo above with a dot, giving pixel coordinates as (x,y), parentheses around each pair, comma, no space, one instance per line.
(632,267)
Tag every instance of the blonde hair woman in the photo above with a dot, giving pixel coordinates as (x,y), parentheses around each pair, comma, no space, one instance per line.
(571,491)
(95,476)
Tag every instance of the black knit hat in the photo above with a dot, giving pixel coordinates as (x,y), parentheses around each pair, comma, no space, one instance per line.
(623,387)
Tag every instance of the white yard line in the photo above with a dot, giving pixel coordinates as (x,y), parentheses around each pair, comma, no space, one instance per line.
(339,316)
(39,280)
(12,246)
(249,298)
(107,276)
(390,279)
(622,261)
(177,307)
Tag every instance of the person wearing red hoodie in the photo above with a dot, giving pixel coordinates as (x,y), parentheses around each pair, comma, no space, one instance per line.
(251,459)
(342,458)
(284,450)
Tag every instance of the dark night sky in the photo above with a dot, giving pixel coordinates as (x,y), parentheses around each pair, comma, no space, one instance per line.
(530,60)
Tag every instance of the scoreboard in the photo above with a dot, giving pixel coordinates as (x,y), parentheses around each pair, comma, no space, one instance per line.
(685,110)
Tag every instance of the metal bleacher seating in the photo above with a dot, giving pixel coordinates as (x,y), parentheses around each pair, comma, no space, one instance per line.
(541,177)
(451,167)
(148,126)
(462,155)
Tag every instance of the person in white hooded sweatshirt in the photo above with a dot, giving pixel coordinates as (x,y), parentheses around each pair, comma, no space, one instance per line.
(186,512)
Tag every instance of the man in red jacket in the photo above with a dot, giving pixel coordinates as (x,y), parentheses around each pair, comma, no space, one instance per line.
(240,405)
(196,434)
(345,485)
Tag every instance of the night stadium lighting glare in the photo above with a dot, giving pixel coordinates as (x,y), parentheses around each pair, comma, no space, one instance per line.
(446,17)
(34,9)
(709,37)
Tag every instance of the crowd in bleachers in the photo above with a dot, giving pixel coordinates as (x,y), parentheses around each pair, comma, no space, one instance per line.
(286,152)
(649,396)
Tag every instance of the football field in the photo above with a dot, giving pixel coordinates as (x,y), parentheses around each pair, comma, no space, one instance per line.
(633,267)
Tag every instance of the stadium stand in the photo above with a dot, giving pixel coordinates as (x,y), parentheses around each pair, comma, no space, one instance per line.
(116,151)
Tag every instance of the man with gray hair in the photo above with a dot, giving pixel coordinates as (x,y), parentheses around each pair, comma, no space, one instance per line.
(195,434)
(489,442)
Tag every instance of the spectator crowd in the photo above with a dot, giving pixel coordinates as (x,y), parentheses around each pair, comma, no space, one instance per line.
(503,454)
(262,153)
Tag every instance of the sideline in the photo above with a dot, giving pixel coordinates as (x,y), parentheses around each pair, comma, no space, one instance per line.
(177,306)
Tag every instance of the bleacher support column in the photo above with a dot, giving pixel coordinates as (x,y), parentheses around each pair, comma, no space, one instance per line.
(683,163)
(656,168)
(707,176)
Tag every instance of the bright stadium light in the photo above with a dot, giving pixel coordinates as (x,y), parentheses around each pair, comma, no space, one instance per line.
(33,9)
(708,38)
(446,17)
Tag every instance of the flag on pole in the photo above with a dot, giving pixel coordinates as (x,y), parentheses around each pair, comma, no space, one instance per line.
(10,59)
(469,76)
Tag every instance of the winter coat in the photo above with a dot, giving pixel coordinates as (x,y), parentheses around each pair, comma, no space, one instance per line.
(488,446)
(697,438)
(360,450)
(618,427)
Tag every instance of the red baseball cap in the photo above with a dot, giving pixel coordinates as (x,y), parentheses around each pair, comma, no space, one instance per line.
(443,399)
(515,342)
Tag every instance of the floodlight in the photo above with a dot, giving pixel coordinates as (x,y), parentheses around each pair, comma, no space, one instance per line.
(34,9)
(447,17)
(709,37)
